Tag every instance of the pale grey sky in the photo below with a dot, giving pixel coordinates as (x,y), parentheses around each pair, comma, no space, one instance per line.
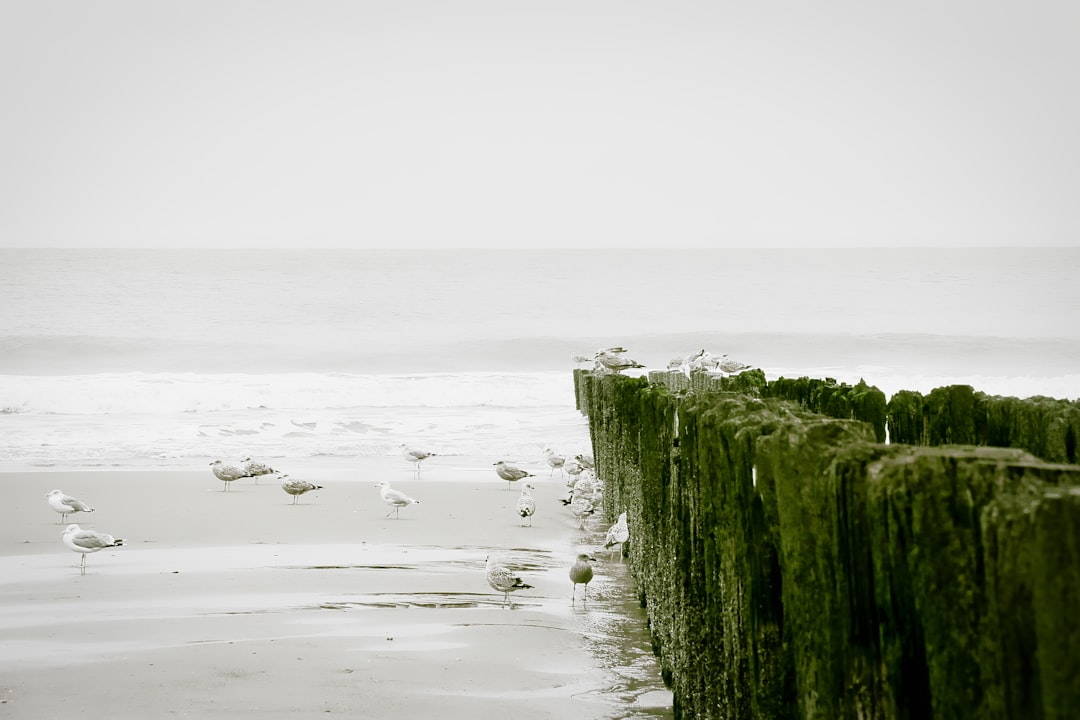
(434,123)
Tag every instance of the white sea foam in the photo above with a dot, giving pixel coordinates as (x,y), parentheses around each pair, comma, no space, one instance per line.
(165,393)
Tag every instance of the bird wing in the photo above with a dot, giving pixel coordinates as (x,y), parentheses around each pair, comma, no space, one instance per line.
(92,540)
(396,497)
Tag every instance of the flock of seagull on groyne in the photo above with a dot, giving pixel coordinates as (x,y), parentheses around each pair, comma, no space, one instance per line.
(614,360)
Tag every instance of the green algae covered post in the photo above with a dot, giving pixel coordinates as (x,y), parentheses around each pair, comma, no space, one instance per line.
(955,579)
(1056,593)
(950,415)
(792,566)
(905,418)
(829,620)
(837,400)
(1046,427)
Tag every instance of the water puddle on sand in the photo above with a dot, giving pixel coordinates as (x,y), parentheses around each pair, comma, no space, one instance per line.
(609,617)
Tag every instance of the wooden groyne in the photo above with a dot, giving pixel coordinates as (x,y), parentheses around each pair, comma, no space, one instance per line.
(793,565)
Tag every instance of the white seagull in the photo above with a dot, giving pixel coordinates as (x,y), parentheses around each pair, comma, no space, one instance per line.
(731,366)
(526,505)
(66,505)
(581,573)
(255,469)
(502,579)
(394,498)
(296,488)
(581,508)
(616,362)
(87,541)
(227,473)
(509,473)
(415,457)
(618,533)
(555,460)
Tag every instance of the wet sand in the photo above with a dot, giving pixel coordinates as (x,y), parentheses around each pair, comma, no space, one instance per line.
(241,604)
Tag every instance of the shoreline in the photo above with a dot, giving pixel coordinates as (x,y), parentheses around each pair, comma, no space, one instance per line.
(239,602)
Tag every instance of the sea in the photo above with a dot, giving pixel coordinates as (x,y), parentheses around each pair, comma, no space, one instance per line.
(170,358)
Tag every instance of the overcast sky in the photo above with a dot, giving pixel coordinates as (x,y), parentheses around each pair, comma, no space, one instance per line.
(436,123)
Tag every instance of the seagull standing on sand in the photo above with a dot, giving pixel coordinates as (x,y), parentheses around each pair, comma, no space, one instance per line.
(555,460)
(581,508)
(502,579)
(415,457)
(296,488)
(66,505)
(257,469)
(526,506)
(509,473)
(395,498)
(227,473)
(581,573)
(618,533)
(87,541)
(574,469)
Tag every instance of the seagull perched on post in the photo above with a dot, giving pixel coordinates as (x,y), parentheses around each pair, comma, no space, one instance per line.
(394,498)
(509,473)
(415,456)
(87,541)
(615,362)
(502,579)
(66,505)
(731,366)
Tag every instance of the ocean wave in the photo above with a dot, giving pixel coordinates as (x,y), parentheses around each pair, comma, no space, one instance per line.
(169,393)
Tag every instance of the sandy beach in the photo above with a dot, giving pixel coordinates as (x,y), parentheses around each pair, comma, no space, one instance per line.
(241,604)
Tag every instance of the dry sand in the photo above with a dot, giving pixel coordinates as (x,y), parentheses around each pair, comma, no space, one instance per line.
(241,604)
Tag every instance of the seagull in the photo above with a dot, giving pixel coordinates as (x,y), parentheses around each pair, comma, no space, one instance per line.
(415,456)
(730,366)
(555,460)
(395,498)
(581,508)
(586,461)
(581,572)
(579,359)
(66,505)
(227,473)
(574,469)
(526,506)
(502,579)
(509,473)
(296,488)
(616,362)
(254,469)
(87,541)
(618,533)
